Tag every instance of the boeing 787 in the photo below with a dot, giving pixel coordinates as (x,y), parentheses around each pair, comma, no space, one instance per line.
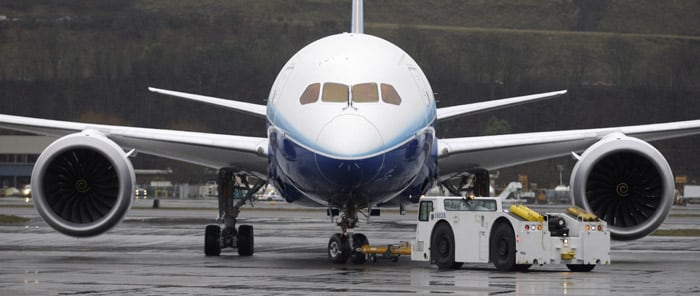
(350,126)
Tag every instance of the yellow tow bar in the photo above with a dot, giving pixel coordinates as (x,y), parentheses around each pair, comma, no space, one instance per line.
(388,252)
(568,255)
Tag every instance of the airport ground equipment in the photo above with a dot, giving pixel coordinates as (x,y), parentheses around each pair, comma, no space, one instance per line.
(456,230)
(691,193)
(392,252)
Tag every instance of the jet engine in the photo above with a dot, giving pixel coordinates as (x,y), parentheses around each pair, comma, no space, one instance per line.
(626,182)
(82,184)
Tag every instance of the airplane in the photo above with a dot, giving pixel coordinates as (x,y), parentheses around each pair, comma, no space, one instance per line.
(350,126)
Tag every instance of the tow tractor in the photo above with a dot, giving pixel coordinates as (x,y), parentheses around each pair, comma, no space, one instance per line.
(456,230)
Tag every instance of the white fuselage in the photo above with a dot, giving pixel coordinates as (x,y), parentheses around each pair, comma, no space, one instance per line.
(351,100)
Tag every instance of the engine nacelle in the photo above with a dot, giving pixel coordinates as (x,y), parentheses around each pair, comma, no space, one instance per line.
(83,184)
(626,182)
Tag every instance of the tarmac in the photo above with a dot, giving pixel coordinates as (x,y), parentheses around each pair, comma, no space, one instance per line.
(160,252)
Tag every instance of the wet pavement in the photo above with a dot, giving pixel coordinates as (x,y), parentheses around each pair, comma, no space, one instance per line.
(160,252)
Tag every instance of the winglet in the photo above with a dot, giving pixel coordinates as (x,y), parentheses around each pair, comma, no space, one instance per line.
(357,25)
(453,111)
(255,109)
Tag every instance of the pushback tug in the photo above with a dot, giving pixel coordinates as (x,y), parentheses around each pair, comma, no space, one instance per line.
(453,230)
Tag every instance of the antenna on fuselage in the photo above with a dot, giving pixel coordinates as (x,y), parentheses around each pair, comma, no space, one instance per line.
(358,24)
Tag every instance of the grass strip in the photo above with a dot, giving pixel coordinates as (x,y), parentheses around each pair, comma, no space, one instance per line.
(677,232)
(12,219)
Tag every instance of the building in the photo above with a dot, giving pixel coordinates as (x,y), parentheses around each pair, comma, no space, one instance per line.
(17,157)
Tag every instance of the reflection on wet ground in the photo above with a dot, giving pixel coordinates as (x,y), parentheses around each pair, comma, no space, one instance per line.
(160,253)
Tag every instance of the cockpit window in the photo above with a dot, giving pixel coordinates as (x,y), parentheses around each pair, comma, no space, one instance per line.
(365,93)
(310,94)
(389,94)
(335,92)
(341,93)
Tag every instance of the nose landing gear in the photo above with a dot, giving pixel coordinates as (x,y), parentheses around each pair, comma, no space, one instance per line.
(347,245)
(343,247)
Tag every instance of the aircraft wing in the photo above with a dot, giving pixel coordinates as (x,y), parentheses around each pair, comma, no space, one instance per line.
(254,109)
(474,108)
(458,155)
(210,150)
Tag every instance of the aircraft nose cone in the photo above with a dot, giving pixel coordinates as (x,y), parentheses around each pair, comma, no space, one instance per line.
(349,136)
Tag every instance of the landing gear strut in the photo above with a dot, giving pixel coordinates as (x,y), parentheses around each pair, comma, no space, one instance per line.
(344,245)
(234,191)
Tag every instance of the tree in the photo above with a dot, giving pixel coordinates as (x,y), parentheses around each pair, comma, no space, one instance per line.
(622,59)
(495,126)
(588,13)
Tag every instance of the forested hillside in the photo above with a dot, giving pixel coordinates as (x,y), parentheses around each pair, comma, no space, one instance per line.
(623,61)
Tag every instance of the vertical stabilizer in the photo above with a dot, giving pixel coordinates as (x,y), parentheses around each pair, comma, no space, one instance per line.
(358,23)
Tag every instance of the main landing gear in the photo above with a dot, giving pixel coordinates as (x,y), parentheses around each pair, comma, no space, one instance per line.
(343,246)
(234,191)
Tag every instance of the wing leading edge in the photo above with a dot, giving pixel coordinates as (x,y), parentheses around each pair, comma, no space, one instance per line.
(474,108)
(492,152)
(206,149)
(250,108)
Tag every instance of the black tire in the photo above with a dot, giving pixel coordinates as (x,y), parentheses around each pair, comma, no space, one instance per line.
(338,249)
(358,240)
(502,247)
(442,247)
(212,246)
(521,267)
(373,258)
(580,267)
(246,241)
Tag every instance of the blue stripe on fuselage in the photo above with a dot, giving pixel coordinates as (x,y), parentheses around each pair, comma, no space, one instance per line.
(302,174)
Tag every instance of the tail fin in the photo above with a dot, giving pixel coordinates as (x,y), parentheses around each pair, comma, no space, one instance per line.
(358,22)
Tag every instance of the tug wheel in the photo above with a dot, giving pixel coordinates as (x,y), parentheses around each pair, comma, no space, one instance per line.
(442,247)
(502,247)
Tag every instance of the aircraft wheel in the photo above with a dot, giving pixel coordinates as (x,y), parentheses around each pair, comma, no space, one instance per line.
(442,247)
(503,247)
(245,240)
(212,246)
(580,267)
(358,240)
(338,249)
